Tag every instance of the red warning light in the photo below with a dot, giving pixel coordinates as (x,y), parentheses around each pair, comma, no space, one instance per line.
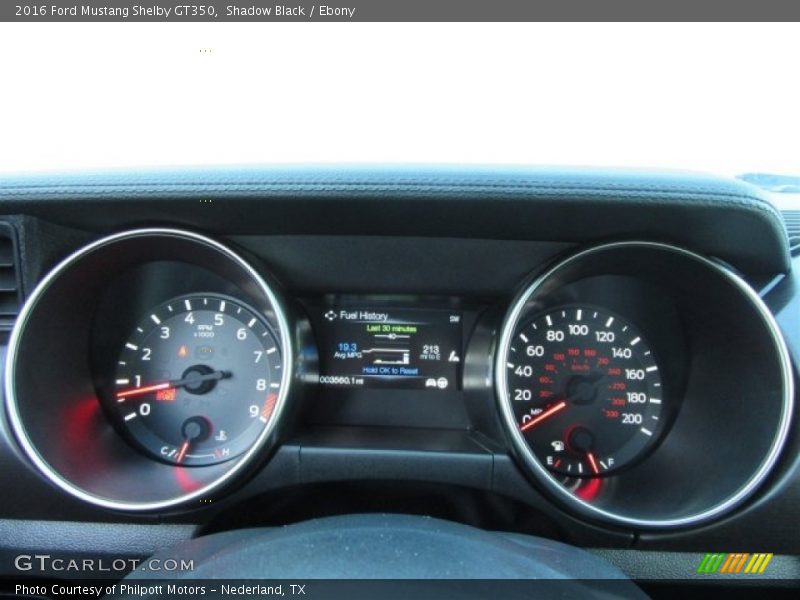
(183,351)
(167,394)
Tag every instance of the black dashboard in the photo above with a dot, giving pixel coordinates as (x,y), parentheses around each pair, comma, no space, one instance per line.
(603,358)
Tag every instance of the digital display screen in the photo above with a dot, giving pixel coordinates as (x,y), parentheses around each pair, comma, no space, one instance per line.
(390,348)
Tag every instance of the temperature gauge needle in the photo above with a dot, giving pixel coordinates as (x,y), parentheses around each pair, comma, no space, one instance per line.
(548,413)
(194,429)
(182,451)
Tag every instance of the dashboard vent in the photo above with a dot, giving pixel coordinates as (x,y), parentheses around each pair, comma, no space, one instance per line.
(792,220)
(9,278)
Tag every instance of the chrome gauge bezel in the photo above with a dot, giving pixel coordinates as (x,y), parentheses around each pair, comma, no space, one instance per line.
(235,466)
(544,284)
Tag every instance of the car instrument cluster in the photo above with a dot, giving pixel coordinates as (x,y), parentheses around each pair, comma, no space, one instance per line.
(620,375)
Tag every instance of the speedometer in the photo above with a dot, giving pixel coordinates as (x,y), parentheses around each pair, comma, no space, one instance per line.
(585,389)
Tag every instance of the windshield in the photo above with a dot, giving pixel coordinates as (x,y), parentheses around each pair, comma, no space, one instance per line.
(718,98)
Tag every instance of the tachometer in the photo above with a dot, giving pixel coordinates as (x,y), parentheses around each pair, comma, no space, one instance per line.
(197,380)
(585,389)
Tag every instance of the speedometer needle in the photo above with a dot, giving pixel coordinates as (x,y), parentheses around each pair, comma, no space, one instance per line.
(548,413)
(195,379)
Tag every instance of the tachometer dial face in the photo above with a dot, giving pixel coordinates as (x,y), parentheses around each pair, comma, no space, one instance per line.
(197,380)
(585,389)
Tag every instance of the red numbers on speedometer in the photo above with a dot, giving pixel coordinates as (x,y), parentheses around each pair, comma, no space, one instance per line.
(585,389)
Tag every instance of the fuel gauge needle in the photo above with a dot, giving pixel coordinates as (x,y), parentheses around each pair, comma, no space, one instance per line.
(592,463)
(546,414)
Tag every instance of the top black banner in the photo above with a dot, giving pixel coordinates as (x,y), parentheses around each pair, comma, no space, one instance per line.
(402,10)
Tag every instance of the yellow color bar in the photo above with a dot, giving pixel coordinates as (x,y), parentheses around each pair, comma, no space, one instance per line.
(758,563)
(767,558)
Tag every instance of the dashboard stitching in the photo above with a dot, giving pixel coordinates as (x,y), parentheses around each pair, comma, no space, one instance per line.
(329,184)
(745,201)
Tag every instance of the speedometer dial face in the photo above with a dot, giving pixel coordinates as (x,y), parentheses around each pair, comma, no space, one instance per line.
(585,389)
(197,380)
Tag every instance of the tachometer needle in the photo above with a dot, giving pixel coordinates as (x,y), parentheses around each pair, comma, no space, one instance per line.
(193,380)
(548,413)
(145,389)
(592,463)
